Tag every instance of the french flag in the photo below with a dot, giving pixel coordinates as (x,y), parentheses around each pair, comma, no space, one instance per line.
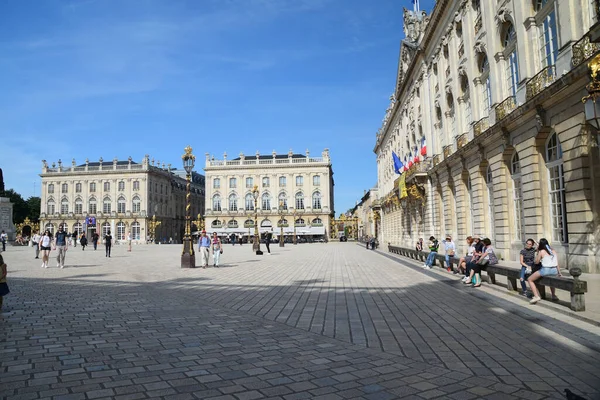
(406,166)
(417,159)
(423,147)
(410,161)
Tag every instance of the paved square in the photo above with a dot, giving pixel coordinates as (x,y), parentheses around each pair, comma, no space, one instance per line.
(310,321)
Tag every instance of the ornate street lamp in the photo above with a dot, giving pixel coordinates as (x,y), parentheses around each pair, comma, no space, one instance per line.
(256,242)
(188,258)
(152,225)
(281,213)
(592,101)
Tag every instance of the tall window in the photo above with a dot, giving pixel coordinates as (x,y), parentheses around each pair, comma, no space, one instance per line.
(120,231)
(77,229)
(249,183)
(105,229)
(232,183)
(216,183)
(51,207)
(216,203)
(64,206)
(316,180)
(512,64)
(266,201)
(106,205)
(464,85)
(282,181)
(78,206)
(265,182)
(64,188)
(51,188)
(92,187)
(233,202)
(78,188)
(299,180)
(316,201)
(469,207)
(490,198)
(283,201)
(121,186)
(106,186)
(136,186)
(299,201)
(136,231)
(515,172)
(93,206)
(486,88)
(136,204)
(50,227)
(121,204)
(249,200)
(556,186)
(548,34)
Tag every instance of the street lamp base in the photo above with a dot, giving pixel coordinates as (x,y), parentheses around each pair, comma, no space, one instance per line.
(188,260)
(281,244)
(255,247)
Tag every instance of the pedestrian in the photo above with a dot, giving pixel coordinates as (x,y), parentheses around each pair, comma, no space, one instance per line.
(449,250)
(527,259)
(462,263)
(83,241)
(3,285)
(74,238)
(35,241)
(434,245)
(368,240)
(373,243)
(268,238)
(419,246)
(46,247)
(3,239)
(108,239)
(95,238)
(217,249)
(61,244)
(129,241)
(232,238)
(203,248)
(549,260)
(240,239)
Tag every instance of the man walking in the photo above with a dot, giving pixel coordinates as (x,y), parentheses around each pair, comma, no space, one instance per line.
(95,238)
(3,239)
(35,241)
(232,237)
(203,248)
(62,245)
(108,239)
(268,237)
(83,241)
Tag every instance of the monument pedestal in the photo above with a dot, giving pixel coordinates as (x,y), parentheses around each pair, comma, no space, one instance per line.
(6,218)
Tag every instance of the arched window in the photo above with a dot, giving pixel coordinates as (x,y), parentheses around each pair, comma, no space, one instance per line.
(51,207)
(283,201)
(136,231)
(216,224)
(121,204)
(509,41)
(64,206)
(316,201)
(77,229)
(486,89)
(266,223)
(232,224)
(515,173)
(317,222)
(556,188)
(50,228)
(136,204)
(78,206)
(105,229)
(233,202)
(216,203)
(92,206)
(282,222)
(300,222)
(120,231)
(451,114)
(489,182)
(249,200)
(106,205)
(299,201)
(266,201)
(249,223)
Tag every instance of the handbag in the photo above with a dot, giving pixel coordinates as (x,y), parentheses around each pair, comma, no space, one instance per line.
(221,251)
(483,261)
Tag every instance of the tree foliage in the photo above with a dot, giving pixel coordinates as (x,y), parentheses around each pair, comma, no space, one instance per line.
(22,209)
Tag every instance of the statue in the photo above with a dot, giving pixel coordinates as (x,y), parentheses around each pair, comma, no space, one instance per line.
(414,24)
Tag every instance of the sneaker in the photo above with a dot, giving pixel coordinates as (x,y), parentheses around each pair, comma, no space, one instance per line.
(57,265)
(554,298)
(449,269)
(464,279)
(429,267)
(62,266)
(43,265)
(535,299)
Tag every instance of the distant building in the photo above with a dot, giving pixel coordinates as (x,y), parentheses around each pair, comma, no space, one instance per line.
(119,195)
(299,182)
(368,216)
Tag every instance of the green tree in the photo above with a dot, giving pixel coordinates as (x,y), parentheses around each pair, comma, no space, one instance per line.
(34,205)
(20,207)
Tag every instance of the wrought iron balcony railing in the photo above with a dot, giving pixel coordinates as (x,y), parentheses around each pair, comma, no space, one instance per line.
(540,81)
(505,108)
(481,126)
(584,49)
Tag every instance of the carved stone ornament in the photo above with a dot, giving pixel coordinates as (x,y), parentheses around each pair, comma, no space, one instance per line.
(540,118)
(462,70)
(479,46)
(502,16)
(436,103)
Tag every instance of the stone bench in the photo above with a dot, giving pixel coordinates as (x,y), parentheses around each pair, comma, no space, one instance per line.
(574,285)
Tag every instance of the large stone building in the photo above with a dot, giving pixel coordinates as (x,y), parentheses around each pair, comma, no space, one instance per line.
(119,195)
(368,218)
(495,88)
(301,183)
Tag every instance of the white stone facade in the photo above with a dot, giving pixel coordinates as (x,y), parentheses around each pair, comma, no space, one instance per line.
(495,88)
(121,195)
(304,183)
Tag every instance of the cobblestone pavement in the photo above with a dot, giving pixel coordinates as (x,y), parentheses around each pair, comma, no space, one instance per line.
(310,321)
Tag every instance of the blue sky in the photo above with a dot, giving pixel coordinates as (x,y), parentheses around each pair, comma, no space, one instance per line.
(104,78)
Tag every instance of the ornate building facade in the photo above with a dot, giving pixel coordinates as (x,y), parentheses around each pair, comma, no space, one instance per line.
(368,218)
(294,190)
(119,195)
(495,88)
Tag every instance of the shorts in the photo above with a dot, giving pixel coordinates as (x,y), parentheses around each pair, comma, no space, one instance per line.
(129,242)
(548,271)
(46,248)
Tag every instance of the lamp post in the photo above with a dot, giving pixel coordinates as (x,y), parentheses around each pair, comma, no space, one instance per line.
(295,214)
(188,258)
(256,242)
(591,102)
(281,212)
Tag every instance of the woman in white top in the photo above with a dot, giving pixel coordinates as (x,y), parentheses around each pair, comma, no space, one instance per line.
(547,257)
(45,246)
(462,263)
(129,241)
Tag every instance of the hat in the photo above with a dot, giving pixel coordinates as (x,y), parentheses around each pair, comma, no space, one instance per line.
(203,231)
(448,237)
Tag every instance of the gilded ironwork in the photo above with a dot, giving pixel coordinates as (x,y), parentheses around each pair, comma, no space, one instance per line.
(188,154)
(436,159)
(152,225)
(415,193)
(481,126)
(540,81)
(27,222)
(199,222)
(447,151)
(584,49)
(505,108)
(462,140)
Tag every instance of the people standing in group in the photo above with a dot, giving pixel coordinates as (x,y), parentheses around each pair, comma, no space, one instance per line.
(203,249)
(83,241)
(527,260)
(108,239)
(217,249)
(95,239)
(268,238)
(434,246)
(549,262)
(46,247)
(61,244)
(3,285)
(129,241)
(35,242)
(449,250)
(3,239)
(419,247)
